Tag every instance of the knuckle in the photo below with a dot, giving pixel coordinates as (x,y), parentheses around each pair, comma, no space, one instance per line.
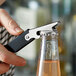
(11,22)
(3,54)
(3,57)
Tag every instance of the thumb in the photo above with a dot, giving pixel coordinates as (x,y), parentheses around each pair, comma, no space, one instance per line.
(9,23)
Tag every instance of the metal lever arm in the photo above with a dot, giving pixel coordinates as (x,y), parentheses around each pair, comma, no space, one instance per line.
(18,43)
(28,36)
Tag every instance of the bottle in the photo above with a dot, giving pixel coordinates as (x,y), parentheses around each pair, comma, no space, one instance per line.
(48,64)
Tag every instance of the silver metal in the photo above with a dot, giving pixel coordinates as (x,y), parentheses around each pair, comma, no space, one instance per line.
(33,33)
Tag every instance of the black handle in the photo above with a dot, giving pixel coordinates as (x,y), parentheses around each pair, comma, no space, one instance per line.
(19,42)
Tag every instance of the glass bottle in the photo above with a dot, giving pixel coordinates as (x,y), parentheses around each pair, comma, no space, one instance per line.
(48,64)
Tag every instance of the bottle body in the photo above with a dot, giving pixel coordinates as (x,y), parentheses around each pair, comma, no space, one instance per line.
(49,66)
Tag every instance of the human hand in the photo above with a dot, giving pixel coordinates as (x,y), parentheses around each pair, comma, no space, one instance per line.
(6,56)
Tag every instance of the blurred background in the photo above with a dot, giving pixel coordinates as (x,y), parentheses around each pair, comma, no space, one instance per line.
(34,13)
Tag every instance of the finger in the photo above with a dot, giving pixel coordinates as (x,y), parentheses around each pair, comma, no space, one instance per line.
(10,58)
(9,23)
(4,68)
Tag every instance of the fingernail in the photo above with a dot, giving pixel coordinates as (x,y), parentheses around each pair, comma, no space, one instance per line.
(24,62)
(19,30)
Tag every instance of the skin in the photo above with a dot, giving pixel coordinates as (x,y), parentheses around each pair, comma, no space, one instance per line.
(6,56)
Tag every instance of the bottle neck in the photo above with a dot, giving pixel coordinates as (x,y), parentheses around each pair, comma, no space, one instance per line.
(52,47)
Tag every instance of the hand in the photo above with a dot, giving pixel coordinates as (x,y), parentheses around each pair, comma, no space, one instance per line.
(6,56)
